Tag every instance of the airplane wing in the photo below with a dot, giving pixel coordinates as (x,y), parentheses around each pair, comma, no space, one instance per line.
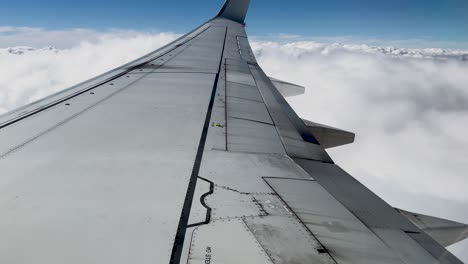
(190,154)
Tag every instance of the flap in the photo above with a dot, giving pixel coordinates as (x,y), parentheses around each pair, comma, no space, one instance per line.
(444,231)
(328,136)
(287,89)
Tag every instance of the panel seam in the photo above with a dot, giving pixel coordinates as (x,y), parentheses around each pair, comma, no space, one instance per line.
(28,141)
(61,100)
(185,214)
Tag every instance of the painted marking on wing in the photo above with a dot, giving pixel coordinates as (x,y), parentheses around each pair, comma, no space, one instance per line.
(184,217)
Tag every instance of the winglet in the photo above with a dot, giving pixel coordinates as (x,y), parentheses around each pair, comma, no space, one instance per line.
(235,10)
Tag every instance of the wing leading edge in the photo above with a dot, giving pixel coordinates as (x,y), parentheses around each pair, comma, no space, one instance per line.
(188,155)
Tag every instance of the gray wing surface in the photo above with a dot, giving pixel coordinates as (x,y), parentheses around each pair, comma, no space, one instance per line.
(187,155)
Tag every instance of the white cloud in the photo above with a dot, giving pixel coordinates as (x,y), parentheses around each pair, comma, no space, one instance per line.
(30,73)
(64,39)
(408,107)
(413,43)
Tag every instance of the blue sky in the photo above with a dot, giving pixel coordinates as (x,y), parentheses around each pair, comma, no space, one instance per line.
(435,20)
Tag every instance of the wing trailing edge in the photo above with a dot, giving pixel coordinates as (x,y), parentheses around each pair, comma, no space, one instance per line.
(235,10)
(287,89)
(444,231)
(329,137)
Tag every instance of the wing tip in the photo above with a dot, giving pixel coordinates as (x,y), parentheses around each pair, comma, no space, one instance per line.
(235,10)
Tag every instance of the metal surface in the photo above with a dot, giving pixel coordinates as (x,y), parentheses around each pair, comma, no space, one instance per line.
(375,213)
(342,234)
(235,10)
(248,110)
(226,242)
(286,122)
(251,136)
(201,213)
(244,171)
(287,89)
(243,91)
(189,154)
(240,77)
(88,190)
(329,137)
(286,240)
(444,231)
(245,51)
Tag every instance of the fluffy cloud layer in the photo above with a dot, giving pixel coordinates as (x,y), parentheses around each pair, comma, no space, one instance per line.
(30,73)
(408,107)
